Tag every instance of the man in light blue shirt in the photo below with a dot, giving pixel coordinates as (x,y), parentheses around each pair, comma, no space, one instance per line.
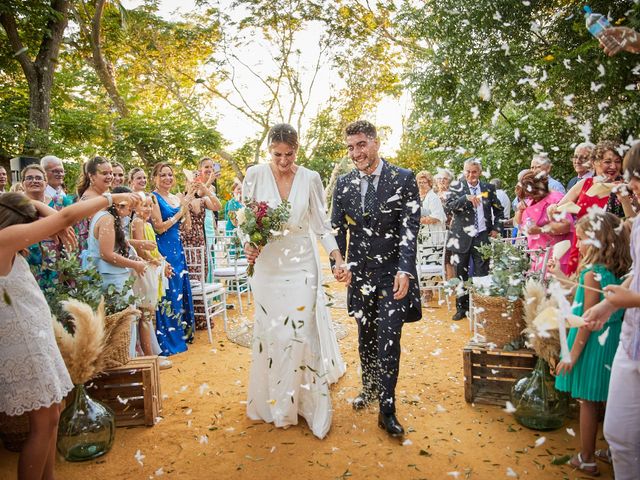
(542,163)
(581,163)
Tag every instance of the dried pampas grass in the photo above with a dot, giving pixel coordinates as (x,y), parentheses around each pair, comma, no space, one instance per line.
(82,350)
(97,343)
(547,344)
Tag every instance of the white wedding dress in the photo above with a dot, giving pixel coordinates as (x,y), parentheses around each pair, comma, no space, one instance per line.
(295,354)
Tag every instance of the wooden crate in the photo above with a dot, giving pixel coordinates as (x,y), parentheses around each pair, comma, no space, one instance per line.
(490,374)
(132,391)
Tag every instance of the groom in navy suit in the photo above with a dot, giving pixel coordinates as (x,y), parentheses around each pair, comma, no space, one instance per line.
(378,204)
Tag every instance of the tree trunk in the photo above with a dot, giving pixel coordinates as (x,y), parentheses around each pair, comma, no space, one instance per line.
(39,73)
(234,165)
(104,70)
(338,168)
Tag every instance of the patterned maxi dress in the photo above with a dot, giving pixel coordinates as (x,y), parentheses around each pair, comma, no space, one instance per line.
(194,237)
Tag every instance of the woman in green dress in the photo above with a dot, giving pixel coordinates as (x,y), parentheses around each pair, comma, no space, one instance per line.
(604,246)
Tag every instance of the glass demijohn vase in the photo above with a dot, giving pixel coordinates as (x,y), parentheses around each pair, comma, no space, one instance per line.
(538,404)
(86,429)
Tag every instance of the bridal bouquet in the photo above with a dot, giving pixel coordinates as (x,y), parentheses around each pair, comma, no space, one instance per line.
(261,223)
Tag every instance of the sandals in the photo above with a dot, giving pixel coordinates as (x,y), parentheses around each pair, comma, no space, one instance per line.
(590,469)
(604,455)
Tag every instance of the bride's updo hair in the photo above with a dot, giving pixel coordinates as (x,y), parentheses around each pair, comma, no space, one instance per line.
(283,133)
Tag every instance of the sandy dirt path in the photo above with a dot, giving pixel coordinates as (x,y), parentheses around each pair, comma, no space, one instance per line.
(204,434)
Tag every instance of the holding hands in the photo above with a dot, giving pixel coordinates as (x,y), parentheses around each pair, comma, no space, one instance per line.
(342,274)
(340,270)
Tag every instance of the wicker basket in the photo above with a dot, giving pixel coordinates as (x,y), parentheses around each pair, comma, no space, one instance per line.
(499,320)
(117,328)
(14,431)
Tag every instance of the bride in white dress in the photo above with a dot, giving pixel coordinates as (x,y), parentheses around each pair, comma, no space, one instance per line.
(295,355)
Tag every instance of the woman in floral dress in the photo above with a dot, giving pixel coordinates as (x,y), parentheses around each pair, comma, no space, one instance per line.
(192,233)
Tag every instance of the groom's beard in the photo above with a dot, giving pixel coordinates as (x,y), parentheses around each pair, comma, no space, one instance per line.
(370,163)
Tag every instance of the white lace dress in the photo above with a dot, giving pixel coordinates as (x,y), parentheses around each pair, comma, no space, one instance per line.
(32,372)
(295,353)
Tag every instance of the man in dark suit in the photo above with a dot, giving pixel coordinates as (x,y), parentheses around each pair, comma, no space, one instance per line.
(477,215)
(378,204)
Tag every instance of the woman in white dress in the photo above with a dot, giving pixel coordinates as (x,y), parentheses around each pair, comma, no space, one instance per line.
(33,376)
(295,352)
(432,216)
(432,221)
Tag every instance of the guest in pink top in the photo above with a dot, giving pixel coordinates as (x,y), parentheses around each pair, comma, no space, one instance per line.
(531,216)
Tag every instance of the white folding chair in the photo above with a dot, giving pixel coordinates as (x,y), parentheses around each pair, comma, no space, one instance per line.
(212,295)
(230,267)
(431,264)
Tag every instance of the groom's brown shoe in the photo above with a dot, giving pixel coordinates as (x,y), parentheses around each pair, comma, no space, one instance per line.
(390,423)
(361,401)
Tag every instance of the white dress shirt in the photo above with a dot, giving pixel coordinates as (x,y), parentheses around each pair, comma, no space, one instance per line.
(51,192)
(503,198)
(482,224)
(364,184)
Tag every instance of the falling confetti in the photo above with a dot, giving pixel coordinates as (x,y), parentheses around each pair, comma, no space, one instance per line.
(510,408)
(602,338)
(540,441)
(485,92)
(139,457)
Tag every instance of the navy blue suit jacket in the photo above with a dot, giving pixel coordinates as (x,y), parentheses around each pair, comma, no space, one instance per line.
(386,242)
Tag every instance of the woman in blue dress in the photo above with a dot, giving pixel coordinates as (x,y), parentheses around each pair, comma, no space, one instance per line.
(175,328)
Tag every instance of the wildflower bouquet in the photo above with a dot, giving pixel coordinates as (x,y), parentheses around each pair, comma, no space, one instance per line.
(261,223)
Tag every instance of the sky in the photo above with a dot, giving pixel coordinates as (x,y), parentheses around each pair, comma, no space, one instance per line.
(236,129)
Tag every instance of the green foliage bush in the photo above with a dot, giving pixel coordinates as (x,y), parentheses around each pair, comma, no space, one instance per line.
(85,285)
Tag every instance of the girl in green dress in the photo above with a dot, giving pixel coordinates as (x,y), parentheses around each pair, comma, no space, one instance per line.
(603,242)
